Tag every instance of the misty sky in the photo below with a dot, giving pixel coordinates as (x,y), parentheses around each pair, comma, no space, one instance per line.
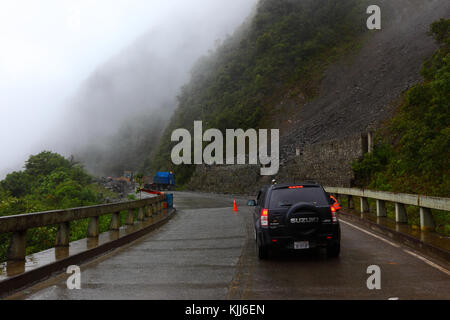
(50,48)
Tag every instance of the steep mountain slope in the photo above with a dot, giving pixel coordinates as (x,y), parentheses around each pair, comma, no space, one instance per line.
(412,150)
(116,117)
(140,82)
(310,68)
(281,49)
(362,90)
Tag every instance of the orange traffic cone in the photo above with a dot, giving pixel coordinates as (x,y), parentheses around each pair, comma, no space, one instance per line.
(235,209)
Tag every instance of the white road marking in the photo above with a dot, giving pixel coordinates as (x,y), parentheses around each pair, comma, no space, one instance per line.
(434,265)
(371,234)
(430,263)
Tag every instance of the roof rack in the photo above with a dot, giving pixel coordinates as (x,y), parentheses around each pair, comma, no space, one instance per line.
(310,181)
(304,183)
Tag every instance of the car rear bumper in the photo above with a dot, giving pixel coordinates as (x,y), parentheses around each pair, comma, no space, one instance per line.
(315,241)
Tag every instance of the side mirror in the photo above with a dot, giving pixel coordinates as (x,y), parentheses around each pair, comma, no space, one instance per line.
(251,203)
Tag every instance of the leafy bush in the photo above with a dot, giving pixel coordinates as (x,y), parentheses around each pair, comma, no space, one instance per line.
(49,182)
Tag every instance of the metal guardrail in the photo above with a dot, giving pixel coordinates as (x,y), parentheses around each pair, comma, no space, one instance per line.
(19,224)
(425,203)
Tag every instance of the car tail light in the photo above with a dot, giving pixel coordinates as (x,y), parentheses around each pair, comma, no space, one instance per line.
(296,187)
(337,206)
(336,203)
(265,217)
(334,218)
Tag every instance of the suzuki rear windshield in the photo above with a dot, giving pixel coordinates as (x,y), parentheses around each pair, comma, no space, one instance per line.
(284,198)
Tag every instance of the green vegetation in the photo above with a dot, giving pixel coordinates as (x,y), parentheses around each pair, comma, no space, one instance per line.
(49,182)
(283,48)
(412,150)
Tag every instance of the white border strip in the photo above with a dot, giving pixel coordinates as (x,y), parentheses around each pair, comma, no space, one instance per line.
(434,265)
(371,234)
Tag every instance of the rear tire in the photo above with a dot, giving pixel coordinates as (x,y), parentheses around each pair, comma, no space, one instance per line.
(334,250)
(263,251)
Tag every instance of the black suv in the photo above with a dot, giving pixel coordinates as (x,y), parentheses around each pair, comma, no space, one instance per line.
(298,217)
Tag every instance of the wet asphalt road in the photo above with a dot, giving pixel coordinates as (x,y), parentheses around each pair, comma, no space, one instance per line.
(207,252)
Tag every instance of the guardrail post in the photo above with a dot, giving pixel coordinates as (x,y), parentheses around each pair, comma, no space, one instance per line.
(115,221)
(93,227)
(426,219)
(351,205)
(400,213)
(364,143)
(151,210)
(147,211)
(370,145)
(141,215)
(130,217)
(17,246)
(63,235)
(364,205)
(381,208)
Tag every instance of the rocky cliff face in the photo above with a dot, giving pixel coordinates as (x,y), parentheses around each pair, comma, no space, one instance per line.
(327,162)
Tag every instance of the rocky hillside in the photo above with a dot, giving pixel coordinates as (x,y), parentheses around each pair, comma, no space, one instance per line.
(412,150)
(363,89)
(280,50)
(312,69)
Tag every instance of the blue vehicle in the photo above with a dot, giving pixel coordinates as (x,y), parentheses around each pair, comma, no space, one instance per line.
(164,181)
